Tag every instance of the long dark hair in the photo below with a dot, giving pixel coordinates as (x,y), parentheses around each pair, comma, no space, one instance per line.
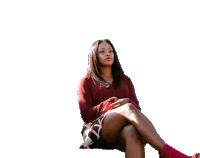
(93,63)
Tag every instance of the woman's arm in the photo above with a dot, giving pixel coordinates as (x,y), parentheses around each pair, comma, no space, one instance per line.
(119,102)
(132,98)
(89,111)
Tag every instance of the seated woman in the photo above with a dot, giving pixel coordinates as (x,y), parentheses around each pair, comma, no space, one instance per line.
(107,96)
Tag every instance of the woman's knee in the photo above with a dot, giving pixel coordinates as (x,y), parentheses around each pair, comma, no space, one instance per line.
(129,132)
(130,109)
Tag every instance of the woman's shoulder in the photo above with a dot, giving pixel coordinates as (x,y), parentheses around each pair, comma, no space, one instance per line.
(85,80)
(126,78)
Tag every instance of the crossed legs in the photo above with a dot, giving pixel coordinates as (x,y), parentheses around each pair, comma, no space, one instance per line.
(117,119)
(130,142)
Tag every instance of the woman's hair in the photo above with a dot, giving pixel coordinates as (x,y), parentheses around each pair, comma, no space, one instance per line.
(93,63)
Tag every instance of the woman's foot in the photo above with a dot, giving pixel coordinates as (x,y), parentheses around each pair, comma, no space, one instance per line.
(171,152)
(196,156)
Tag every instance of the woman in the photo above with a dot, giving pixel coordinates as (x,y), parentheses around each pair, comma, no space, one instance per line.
(109,106)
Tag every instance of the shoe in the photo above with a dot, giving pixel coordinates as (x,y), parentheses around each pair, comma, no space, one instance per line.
(196,156)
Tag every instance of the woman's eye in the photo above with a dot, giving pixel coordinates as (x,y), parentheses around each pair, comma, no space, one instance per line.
(103,51)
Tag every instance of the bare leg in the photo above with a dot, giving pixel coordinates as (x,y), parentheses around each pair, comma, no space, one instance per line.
(116,119)
(130,141)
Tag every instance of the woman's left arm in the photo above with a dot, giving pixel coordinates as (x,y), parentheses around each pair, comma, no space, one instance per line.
(132,98)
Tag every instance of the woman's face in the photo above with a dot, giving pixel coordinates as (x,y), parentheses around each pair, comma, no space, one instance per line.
(106,55)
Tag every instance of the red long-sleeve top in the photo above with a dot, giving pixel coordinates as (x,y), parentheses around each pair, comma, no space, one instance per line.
(93,97)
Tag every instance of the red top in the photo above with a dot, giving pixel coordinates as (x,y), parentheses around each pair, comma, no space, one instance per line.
(93,97)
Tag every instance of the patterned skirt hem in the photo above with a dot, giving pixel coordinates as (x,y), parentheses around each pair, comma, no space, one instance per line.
(91,132)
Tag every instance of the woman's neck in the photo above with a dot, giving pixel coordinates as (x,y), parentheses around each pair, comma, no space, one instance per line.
(106,72)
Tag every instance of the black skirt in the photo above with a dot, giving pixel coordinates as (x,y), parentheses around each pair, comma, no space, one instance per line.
(102,144)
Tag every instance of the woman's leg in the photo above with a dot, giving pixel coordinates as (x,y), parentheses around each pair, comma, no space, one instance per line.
(116,119)
(130,142)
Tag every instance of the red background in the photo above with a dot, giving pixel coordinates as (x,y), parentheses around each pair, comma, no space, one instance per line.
(45,54)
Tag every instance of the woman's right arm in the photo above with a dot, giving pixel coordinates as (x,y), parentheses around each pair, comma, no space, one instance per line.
(89,111)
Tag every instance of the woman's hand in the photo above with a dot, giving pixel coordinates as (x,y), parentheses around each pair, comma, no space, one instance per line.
(119,102)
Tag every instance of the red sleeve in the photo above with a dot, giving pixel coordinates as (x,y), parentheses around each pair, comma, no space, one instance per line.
(89,111)
(107,107)
(132,98)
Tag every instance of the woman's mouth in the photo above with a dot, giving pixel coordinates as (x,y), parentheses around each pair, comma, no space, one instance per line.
(108,58)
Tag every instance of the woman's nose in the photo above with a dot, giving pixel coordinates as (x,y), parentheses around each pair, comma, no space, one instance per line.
(108,53)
